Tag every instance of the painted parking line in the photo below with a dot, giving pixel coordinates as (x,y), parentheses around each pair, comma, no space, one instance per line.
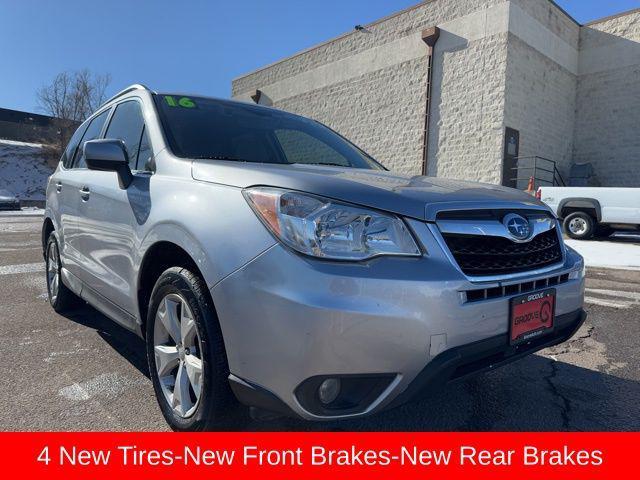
(607,303)
(28,212)
(614,293)
(611,298)
(22,268)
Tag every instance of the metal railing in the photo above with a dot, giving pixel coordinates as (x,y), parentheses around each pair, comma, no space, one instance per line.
(542,170)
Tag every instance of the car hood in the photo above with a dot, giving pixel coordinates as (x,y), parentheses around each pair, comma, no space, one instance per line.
(413,196)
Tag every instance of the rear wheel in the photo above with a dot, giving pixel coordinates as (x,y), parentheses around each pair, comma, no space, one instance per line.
(579,225)
(186,355)
(60,297)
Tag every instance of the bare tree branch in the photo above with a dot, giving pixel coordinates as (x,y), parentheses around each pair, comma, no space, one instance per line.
(72,97)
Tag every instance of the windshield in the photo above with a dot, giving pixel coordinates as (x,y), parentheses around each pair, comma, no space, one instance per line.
(221,130)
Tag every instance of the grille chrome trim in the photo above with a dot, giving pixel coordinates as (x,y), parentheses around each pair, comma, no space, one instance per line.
(433,210)
(540,223)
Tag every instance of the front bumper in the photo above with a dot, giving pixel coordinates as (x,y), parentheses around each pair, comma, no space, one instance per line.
(462,362)
(287,319)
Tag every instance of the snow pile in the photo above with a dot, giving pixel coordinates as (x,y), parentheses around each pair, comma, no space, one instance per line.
(609,254)
(24,169)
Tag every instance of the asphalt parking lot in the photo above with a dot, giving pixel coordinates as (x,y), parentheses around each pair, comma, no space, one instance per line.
(82,372)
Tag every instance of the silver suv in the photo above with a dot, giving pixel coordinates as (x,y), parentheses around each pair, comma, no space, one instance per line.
(267,260)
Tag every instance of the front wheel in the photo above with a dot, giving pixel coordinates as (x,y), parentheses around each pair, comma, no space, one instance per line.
(187,360)
(579,226)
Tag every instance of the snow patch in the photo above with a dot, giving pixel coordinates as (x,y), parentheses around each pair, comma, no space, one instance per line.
(623,256)
(23,169)
(20,144)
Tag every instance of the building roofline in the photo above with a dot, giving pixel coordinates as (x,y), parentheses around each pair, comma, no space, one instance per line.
(567,14)
(402,12)
(611,17)
(335,39)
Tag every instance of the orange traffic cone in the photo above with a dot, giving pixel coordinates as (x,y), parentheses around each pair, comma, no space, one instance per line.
(530,187)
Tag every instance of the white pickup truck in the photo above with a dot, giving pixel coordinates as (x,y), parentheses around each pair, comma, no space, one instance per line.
(593,211)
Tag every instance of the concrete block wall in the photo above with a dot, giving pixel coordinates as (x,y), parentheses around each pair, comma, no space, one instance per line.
(466,129)
(608,100)
(541,79)
(552,17)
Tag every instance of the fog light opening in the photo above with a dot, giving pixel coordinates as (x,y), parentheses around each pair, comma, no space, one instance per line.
(333,395)
(329,390)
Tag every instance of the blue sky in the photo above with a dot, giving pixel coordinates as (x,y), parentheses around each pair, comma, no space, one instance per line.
(187,45)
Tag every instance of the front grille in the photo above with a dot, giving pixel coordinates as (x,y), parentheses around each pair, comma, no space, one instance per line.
(479,255)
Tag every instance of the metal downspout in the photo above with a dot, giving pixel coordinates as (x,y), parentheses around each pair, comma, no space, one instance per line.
(430,37)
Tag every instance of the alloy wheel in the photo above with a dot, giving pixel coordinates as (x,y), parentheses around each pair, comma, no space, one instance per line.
(178,355)
(53,272)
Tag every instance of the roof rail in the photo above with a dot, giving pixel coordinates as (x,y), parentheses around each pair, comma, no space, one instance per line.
(131,88)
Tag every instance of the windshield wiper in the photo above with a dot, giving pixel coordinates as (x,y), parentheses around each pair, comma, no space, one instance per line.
(220,157)
(236,159)
(321,163)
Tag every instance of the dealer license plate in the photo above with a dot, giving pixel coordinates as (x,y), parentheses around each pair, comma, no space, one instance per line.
(532,315)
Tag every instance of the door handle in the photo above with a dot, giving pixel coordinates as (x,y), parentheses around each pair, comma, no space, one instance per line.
(58,187)
(85,192)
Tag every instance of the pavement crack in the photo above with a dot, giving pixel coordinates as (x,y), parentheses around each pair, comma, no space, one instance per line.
(587,333)
(565,408)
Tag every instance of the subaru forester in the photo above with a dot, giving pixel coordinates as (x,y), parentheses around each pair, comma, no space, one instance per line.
(267,260)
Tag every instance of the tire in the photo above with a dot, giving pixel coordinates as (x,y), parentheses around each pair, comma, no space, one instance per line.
(60,297)
(189,338)
(579,226)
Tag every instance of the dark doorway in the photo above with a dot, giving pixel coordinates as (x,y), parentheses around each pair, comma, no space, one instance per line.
(510,157)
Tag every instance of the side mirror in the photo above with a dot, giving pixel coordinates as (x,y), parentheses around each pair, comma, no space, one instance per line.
(109,155)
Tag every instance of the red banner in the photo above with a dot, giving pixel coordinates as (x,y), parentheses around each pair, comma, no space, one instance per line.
(322,456)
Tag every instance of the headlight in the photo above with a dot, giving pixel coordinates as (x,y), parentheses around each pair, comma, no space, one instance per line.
(328,229)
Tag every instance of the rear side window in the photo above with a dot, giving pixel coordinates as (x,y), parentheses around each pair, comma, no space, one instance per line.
(127,124)
(67,156)
(92,132)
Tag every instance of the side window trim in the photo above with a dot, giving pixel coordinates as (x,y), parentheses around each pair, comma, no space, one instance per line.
(65,159)
(100,135)
(144,127)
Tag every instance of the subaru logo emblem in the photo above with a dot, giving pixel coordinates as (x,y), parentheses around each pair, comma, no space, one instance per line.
(517,226)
